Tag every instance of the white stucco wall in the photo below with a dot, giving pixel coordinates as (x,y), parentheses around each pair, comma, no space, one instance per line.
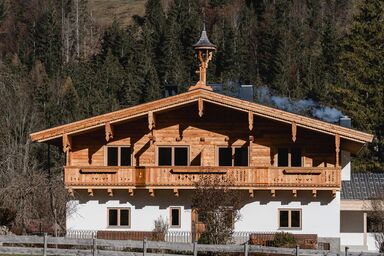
(345,165)
(320,215)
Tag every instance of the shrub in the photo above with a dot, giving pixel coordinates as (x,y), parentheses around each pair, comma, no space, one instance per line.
(160,230)
(284,240)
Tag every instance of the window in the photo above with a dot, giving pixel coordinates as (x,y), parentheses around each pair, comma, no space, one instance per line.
(289,157)
(120,217)
(240,156)
(119,156)
(173,156)
(175,217)
(290,218)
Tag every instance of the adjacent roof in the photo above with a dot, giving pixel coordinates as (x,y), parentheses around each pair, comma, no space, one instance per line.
(363,186)
(194,96)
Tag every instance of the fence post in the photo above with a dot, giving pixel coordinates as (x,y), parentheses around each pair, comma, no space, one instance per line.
(94,246)
(45,245)
(195,248)
(297,250)
(145,246)
(346,250)
(246,248)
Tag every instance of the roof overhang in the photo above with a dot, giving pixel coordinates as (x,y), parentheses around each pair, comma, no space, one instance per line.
(358,138)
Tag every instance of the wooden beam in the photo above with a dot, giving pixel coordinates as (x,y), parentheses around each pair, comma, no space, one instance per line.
(151,192)
(67,143)
(250,120)
(314,193)
(273,193)
(294,131)
(294,192)
(151,120)
(200,105)
(176,192)
(251,193)
(90,192)
(130,192)
(337,149)
(108,131)
(110,192)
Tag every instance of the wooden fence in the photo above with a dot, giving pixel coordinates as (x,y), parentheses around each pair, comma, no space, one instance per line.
(45,245)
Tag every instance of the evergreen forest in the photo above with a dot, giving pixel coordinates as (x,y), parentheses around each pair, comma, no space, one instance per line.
(58,65)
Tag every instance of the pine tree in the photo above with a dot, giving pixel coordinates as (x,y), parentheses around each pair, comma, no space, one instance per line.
(2,11)
(362,74)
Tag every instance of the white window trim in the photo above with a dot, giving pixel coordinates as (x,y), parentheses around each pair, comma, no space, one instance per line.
(118,217)
(289,210)
(170,216)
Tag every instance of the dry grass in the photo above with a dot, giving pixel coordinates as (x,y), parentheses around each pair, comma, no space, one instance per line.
(105,11)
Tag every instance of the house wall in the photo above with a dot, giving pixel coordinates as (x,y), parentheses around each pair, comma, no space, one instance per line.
(217,124)
(259,214)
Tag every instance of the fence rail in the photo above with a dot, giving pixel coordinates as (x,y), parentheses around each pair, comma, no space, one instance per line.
(35,245)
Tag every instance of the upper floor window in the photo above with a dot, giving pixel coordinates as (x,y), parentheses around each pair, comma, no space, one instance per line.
(234,156)
(119,217)
(289,157)
(290,218)
(119,156)
(173,156)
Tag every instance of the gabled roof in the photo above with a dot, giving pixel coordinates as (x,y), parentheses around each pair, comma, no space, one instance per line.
(207,96)
(363,186)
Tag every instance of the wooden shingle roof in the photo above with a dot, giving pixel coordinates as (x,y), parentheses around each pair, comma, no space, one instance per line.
(206,96)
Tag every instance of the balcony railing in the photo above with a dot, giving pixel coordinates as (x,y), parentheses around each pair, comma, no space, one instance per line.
(185,177)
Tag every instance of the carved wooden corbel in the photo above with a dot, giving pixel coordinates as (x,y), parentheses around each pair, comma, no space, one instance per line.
(90,192)
(176,192)
(250,120)
(151,121)
(130,192)
(67,143)
(314,193)
(251,193)
(294,131)
(200,104)
(337,149)
(151,192)
(110,192)
(108,132)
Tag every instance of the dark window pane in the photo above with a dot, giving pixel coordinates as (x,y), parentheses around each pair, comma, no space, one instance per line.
(201,217)
(112,156)
(296,157)
(295,219)
(282,157)
(112,218)
(181,156)
(283,219)
(165,156)
(241,156)
(124,217)
(125,155)
(175,217)
(225,156)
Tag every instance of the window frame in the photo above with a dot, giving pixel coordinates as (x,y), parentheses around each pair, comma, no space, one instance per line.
(118,217)
(302,158)
(290,210)
(118,155)
(233,155)
(173,155)
(179,216)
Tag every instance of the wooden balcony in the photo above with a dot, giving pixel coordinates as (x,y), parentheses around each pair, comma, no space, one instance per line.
(327,178)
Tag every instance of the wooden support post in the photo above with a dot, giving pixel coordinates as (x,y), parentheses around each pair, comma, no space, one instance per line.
(130,191)
(176,192)
(294,131)
(200,104)
(297,250)
(337,149)
(90,192)
(195,248)
(94,246)
(246,249)
(67,143)
(314,193)
(294,192)
(110,192)
(145,246)
(251,138)
(273,193)
(250,120)
(251,193)
(108,132)
(151,121)
(346,250)
(151,192)
(45,244)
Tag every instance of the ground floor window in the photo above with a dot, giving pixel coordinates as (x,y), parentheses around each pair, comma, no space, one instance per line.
(290,218)
(175,217)
(119,217)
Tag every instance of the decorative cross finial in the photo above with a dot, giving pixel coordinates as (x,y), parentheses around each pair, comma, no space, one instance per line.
(204,49)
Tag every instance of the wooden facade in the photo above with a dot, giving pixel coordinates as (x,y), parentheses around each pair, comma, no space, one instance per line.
(202,122)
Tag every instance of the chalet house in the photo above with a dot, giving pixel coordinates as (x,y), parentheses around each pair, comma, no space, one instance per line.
(129,167)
